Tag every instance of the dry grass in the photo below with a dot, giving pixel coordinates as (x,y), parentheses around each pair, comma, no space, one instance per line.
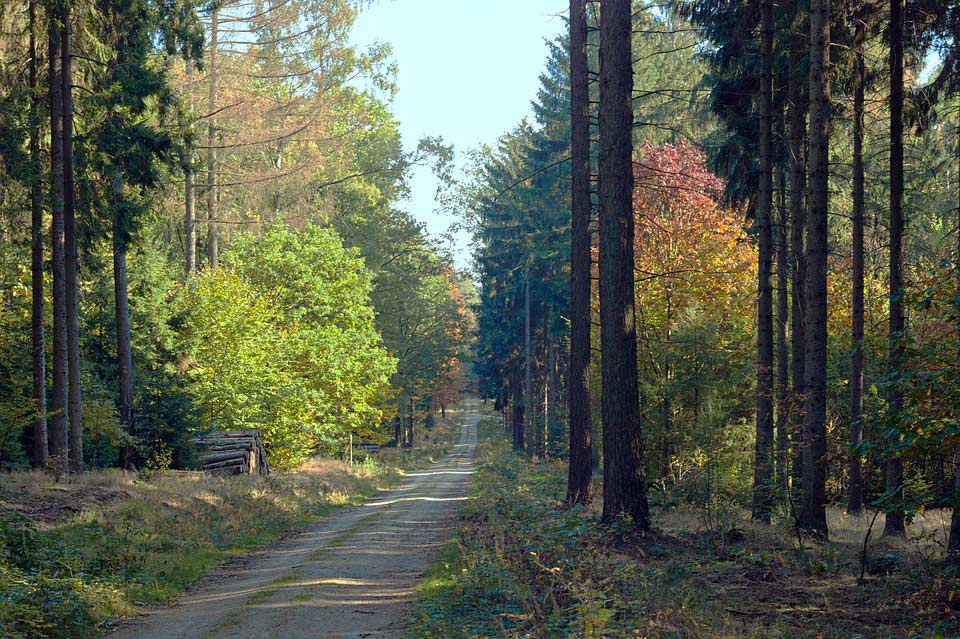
(764,584)
(47,502)
(319,482)
(926,534)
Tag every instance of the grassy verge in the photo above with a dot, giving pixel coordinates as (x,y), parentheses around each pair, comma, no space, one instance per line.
(523,565)
(78,554)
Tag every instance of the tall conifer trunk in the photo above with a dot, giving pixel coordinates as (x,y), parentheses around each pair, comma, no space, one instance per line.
(763,456)
(953,543)
(545,387)
(783,351)
(797,116)
(516,413)
(213,238)
(624,482)
(38,329)
(855,492)
(71,265)
(531,418)
(578,392)
(812,514)
(122,317)
(189,195)
(189,217)
(516,417)
(57,434)
(894,526)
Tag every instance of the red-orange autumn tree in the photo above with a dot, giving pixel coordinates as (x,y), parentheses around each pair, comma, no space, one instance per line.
(694,272)
(449,386)
(450,381)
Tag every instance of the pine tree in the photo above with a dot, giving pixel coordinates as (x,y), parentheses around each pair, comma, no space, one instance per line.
(624,482)
(58,429)
(213,232)
(71,257)
(578,385)
(855,490)
(797,108)
(812,515)
(41,449)
(894,525)
(763,460)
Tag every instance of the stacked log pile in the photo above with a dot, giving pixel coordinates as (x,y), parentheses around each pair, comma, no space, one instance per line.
(235,452)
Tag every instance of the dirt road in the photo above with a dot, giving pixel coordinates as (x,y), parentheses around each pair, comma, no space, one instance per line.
(350,576)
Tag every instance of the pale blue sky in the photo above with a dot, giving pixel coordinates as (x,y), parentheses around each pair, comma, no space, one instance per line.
(468,70)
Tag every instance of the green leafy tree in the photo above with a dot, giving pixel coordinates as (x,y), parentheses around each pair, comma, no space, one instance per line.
(283,340)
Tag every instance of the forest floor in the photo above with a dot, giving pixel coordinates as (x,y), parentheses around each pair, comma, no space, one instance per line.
(524,565)
(77,556)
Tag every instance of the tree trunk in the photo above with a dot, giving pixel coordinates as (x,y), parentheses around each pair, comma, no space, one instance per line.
(624,485)
(189,195)
(953,544)
(71,267)
(410,423)
(516,424)
(547,389)
(516,416)
(531,418)
(783,352)
(797,114)
(855,493)
(124,354)
(667,374)
(763,457)
(578,380)
(813,514)
(58,418)
(38,329)
(189,217)
(894,526)
(213,239)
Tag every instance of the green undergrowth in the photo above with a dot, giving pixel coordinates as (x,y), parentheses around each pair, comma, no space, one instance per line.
(524,565)
(75,556)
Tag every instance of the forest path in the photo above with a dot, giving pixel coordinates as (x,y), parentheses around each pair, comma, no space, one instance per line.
(351,575)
